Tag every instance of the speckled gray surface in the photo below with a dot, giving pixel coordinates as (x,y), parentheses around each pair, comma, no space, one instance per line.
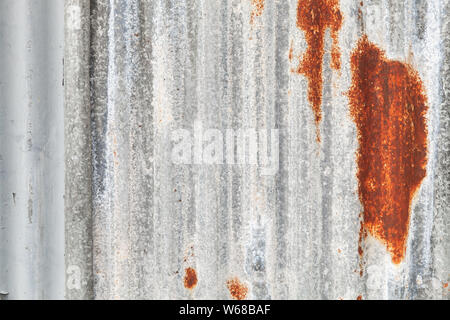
(141,76)
(78,154)
(161,66)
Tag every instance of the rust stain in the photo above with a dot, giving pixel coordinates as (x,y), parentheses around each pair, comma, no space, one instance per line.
(362,236)
(190,278)
(360,15)
(446,285)
(237,289)
(258,8)
(388,105)
(314,17)
(291,52)
(359,297)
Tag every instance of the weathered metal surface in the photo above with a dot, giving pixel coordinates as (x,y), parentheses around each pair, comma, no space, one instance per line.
(167,196)
(78,151)
(169,227)
(31,150)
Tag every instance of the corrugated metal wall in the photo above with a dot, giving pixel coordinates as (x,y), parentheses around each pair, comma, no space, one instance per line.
(141,76)
(159,66)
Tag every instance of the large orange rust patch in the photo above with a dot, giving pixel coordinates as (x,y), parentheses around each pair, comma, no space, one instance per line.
(388,105)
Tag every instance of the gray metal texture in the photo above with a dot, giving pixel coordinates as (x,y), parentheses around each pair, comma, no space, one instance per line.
(31,150)
(143,222)
(138,220)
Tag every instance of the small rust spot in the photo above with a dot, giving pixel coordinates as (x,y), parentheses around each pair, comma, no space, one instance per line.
(314,17)
(388,105)
(238,290)
(360,15)
(190,278)
(359,297)
(258,8)
(446,285)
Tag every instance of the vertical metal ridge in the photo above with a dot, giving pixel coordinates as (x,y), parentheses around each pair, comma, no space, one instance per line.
(78,152)
(31,152)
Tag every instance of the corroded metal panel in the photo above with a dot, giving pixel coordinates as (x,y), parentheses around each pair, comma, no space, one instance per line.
(182,91)
(238,149)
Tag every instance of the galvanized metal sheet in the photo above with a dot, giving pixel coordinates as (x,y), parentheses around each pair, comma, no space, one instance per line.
(211,150)
(171,221)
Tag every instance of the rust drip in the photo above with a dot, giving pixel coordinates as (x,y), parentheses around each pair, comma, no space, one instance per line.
(314,17)
(190,278)
(362,236)
(258,8)
(238,290)
(291,52)
(388,105)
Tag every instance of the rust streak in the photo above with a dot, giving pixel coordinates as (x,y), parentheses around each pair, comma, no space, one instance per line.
(314,17)
(190,278)
(258,8)
(237,289)
(291,52)
(388,105)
